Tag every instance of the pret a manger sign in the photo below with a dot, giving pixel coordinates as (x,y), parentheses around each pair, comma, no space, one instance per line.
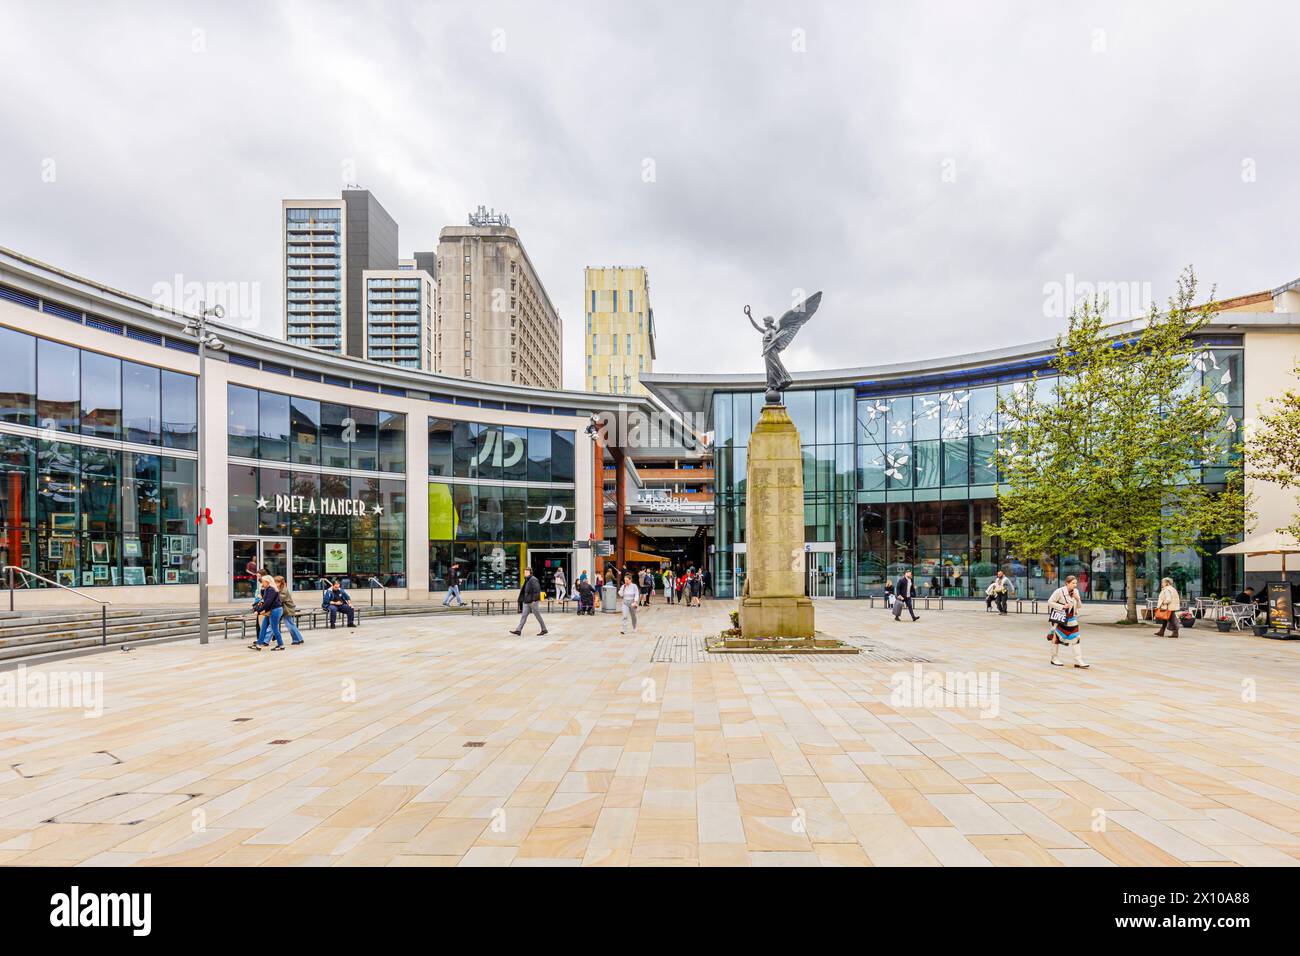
(308,505)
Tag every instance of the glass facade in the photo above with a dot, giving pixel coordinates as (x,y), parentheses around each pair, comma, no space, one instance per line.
(497,492)
(340,524)
(899,479)
(73,510)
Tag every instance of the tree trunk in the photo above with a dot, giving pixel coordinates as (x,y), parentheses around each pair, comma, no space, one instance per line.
(1130,587)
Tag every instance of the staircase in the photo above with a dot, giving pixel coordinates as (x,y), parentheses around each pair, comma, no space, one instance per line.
(31,637)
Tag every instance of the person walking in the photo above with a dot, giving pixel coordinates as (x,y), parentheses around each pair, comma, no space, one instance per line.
(558,582)
(630,595)
(904,593)
(269,606)
(530,595)
(697,588)
(997,592)
(1063,609)
(647,587)
(290,617)
(453,587)
(706,578)
(1168,604)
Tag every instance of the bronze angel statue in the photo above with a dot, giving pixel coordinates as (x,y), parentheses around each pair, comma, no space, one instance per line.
(778,335)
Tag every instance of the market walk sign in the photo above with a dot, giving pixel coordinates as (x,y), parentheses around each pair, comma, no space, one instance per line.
(306,505)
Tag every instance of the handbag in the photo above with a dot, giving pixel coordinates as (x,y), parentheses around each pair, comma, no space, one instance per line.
(1163,614)
(1058,615)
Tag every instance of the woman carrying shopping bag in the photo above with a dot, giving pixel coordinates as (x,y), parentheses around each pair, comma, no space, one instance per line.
(1168,604)
(1063,609)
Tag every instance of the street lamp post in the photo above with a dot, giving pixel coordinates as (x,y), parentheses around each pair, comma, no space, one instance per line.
(197,326)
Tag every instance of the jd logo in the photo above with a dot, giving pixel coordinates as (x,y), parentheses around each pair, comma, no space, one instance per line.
(555,514)
(494,448)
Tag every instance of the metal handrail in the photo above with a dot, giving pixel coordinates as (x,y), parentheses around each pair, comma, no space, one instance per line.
(375,582)
(10,569)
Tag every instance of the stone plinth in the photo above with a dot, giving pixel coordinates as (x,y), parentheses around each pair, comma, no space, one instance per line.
(773,603)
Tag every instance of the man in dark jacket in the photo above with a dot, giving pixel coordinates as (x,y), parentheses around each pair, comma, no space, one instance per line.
(529,597)
(337,601)
(904,592)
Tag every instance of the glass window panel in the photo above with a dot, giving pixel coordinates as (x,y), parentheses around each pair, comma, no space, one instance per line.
(365,450)
(843,415)
(304,430)
(722,423)
(58,383)
(464,500)
(562,455)
(272,482)
(141,403)
(956,462)
(180,410)
(440,444)
(334,527)
(273,426)
(539,454)
(514,508)
(899,465)
(740,420)
(304,524)
(900,419)
(335,425)
(464,449)
(366,524)
(983,455)
(825,416)
(392,441)
(983,410)
(844,468)
(100,494)
(101,395)
(392,501)
(954,413)
(925,417)
(928,463)
(140,493)
(17,377)
(871,467)
(241,421)
(539,501)
(241,493)
(491,524)
(872,425)
(58,481)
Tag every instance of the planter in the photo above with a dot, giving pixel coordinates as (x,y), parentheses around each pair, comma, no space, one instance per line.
(1261,630)
(1224,626)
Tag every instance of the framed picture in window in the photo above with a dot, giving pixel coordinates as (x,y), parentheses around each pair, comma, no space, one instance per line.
(65,526)
(66,576)
(171,576)
(99,552)
(87,579)
(100,572)
(56,549)
(131,547)
(132,576)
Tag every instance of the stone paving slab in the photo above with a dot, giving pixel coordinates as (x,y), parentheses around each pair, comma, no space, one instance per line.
(435,741)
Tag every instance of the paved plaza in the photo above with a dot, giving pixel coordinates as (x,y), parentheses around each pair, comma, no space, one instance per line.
(443,741)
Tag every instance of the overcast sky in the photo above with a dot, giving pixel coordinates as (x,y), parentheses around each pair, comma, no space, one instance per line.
(930,166)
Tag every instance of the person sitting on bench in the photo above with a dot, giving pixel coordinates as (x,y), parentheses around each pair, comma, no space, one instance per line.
(337,601)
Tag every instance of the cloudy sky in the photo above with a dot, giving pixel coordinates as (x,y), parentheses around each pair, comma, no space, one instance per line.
(931,166)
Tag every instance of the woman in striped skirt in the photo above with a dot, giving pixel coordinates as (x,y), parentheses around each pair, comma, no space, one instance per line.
(1063,609)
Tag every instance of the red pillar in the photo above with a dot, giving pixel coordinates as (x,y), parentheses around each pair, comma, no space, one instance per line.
(620,507)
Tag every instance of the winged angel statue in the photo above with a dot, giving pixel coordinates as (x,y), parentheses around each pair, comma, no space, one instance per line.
(776,337)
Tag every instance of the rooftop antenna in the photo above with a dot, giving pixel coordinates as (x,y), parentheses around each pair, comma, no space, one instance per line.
(483,216)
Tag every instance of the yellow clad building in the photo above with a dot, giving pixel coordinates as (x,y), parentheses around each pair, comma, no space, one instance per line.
(620,329)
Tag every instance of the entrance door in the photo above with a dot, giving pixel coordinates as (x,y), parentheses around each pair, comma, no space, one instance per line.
(544,564)
(244,563)
(819,567)
(249,556)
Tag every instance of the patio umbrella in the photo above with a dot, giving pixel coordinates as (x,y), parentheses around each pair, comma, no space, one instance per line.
(1274,542)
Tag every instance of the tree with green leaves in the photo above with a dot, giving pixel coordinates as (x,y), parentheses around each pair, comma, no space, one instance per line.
(1108,456)
(1273,447)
